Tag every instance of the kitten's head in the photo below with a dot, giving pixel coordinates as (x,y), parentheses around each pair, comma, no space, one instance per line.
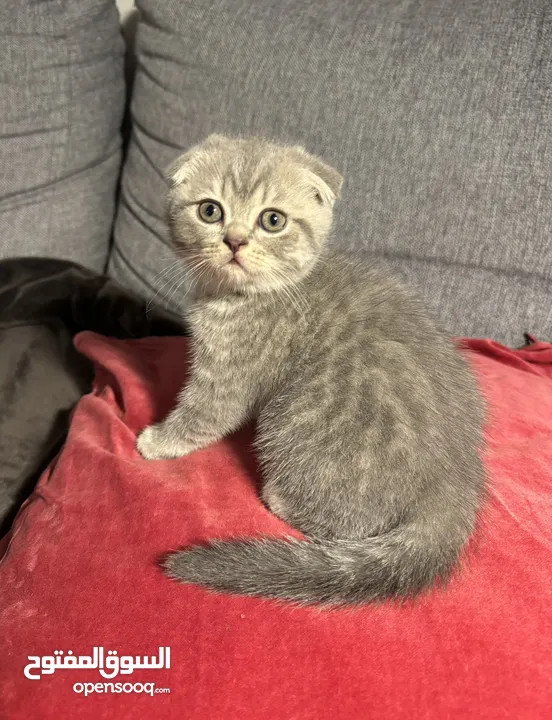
(250,216)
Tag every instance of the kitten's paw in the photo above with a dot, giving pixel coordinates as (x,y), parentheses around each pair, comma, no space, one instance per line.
(154,444)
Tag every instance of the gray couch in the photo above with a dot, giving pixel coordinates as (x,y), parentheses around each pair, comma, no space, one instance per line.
(438,112)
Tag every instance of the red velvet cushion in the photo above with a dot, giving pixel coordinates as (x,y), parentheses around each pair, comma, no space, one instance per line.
(81,571)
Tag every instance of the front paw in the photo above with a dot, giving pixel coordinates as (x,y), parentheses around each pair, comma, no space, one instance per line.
(155,443)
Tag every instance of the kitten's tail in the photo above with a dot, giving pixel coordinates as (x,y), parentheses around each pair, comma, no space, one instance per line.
(400,563)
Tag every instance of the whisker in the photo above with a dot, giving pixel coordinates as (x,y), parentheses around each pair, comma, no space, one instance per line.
(172,270)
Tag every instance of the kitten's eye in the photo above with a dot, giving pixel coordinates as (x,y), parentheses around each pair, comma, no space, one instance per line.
(210,211)
(272,220)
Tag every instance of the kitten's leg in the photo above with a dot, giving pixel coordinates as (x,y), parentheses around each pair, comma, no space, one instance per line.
(205,413)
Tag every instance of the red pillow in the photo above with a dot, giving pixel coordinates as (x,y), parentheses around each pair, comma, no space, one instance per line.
(81,572)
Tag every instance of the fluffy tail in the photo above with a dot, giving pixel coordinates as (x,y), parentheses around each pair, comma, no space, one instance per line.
(338,572)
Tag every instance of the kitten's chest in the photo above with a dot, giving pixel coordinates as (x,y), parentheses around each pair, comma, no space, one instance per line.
(238,332)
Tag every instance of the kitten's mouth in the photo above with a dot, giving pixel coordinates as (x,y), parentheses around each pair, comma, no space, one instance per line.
(235,262)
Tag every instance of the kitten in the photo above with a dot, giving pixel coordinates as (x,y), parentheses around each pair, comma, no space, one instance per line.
(369,420)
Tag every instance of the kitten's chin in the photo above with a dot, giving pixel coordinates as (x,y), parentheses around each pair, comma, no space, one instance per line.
(238,277)
(226,279)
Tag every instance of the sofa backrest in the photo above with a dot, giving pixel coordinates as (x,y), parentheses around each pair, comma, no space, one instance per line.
(438,112)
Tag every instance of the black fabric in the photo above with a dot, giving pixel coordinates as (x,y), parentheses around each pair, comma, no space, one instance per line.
(43,304)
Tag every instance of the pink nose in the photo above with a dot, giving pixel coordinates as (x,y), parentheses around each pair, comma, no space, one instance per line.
(234,243)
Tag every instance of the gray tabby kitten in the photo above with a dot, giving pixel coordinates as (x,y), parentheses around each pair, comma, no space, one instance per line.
(369,421)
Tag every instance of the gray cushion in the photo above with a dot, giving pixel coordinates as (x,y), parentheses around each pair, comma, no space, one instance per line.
(61,101)
(438,112)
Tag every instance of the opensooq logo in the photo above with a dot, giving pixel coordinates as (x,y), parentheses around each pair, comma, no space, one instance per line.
(108,665)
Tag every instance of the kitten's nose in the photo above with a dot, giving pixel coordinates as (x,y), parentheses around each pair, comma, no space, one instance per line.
(234,241)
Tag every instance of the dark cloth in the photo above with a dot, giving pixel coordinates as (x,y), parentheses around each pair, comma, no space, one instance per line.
(43,304)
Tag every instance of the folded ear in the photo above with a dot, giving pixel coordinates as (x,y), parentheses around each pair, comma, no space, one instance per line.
(183,167)
(215,139)
(180,170)
(325,180)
